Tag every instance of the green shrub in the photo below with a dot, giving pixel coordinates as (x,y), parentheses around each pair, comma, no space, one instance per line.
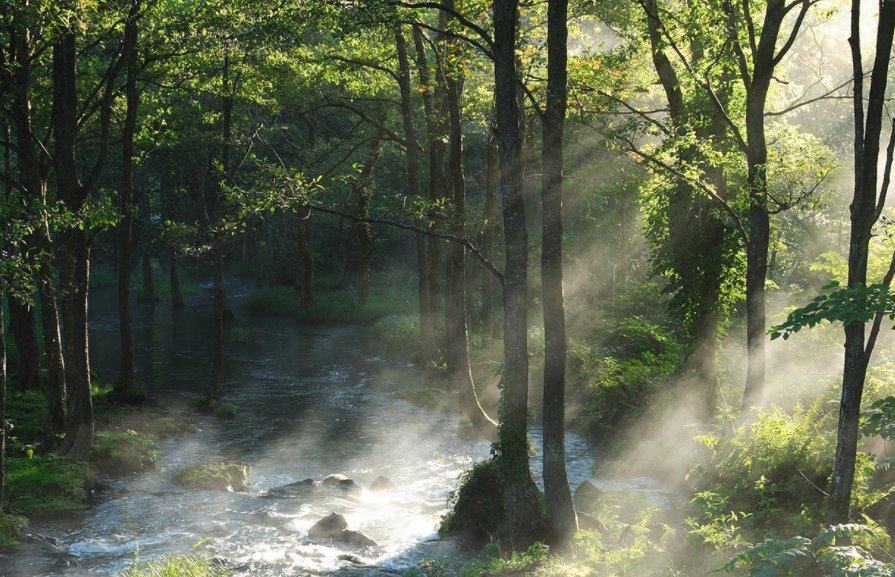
(46,484)
(25,412)
(176,566)
(11,528)
(398,333)
(123,452)
(226,410)
(771,478)
(477,509)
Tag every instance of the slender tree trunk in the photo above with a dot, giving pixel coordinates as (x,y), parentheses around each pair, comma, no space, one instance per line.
(34,167)
(520,494)
(173,275)
(489,214)
(2,406)
(459,371)
(74,251)
(363,190)
(218,313)
(433,104)
(560,511)
(125,383)
(864,213)
(148,295)
(306,258)
(427,336)
(21,325)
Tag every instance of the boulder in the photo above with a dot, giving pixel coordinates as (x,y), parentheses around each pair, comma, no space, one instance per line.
(292,490)
(586,496)
(328,527)
(216,476)
(355,538)
(382,484)
(341,481)
(588,522)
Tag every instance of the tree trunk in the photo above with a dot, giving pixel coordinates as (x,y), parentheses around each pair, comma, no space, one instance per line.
(125,384)
(459,372)
(74,251)
(560,511)
(363,190)
(2,406)
(427,336)
(864,214)
(307,259)
(218,313)
(486,236)
(148,295)
(34,168)
(520,494)
(433,104)
(21,325)
(173,275)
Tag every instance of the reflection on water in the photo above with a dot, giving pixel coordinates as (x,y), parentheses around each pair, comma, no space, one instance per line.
(312,401)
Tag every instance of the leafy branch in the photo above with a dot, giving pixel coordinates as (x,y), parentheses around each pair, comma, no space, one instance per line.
(846,305)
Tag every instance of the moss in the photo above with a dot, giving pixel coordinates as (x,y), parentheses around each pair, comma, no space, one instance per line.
(11,528)
(226,410)
(216,476)
(177,566)
(477,510)
(46,484)
(123,452)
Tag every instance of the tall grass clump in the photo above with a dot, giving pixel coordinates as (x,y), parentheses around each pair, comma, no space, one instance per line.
(176,566)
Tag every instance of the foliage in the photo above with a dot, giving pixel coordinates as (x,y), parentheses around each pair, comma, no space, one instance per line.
(770,477)
(614,384)
(226,410)
(338,306)
(25,412)
(46,484)
(834,551)
(846,305)
(477,509)
(398,333)
(176,566)
(11,528)
(123,452)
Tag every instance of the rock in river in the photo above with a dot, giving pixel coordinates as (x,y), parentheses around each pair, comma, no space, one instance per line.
(328,527)
(216,476)
(382,484)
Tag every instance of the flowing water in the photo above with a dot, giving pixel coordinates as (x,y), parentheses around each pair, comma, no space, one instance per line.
(312,400)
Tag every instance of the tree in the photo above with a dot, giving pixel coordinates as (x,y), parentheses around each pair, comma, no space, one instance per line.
(520,494)
(560,511)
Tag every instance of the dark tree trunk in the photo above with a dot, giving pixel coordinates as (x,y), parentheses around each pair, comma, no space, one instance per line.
(363,189)
(125,384)
(173,275)
(148,293)
(520,494)
(218,313)
(21,325)
(427,336)
(459,372)
(489,214)
(560,511)
(433,104)
(2,406)
(74,251)
(306,259)
(34,168)
(865,211)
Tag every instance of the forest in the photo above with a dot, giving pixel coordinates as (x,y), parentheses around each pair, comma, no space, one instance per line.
(446,288)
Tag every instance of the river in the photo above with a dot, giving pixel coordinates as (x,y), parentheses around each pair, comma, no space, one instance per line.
(312,400)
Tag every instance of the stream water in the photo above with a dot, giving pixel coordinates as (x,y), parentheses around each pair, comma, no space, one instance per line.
(313,400)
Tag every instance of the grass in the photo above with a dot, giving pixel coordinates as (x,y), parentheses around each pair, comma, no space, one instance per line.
(123,452)
(336,306)
(46,484)
(176,566)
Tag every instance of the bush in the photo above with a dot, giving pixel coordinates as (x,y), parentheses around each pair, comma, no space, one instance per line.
(477,510)
(25,412)
(398,333)
(771,478)
(123,452)
(11,528)
(46,484)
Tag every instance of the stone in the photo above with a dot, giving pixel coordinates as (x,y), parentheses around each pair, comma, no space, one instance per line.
(382,484)
(292,490)
(586,496)
(216,476)
(328,527)
(341,481)
(355,538)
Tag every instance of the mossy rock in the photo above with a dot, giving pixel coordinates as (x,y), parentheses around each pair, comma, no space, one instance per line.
(478,506)
(120,453)
(216,476)
(11,528)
